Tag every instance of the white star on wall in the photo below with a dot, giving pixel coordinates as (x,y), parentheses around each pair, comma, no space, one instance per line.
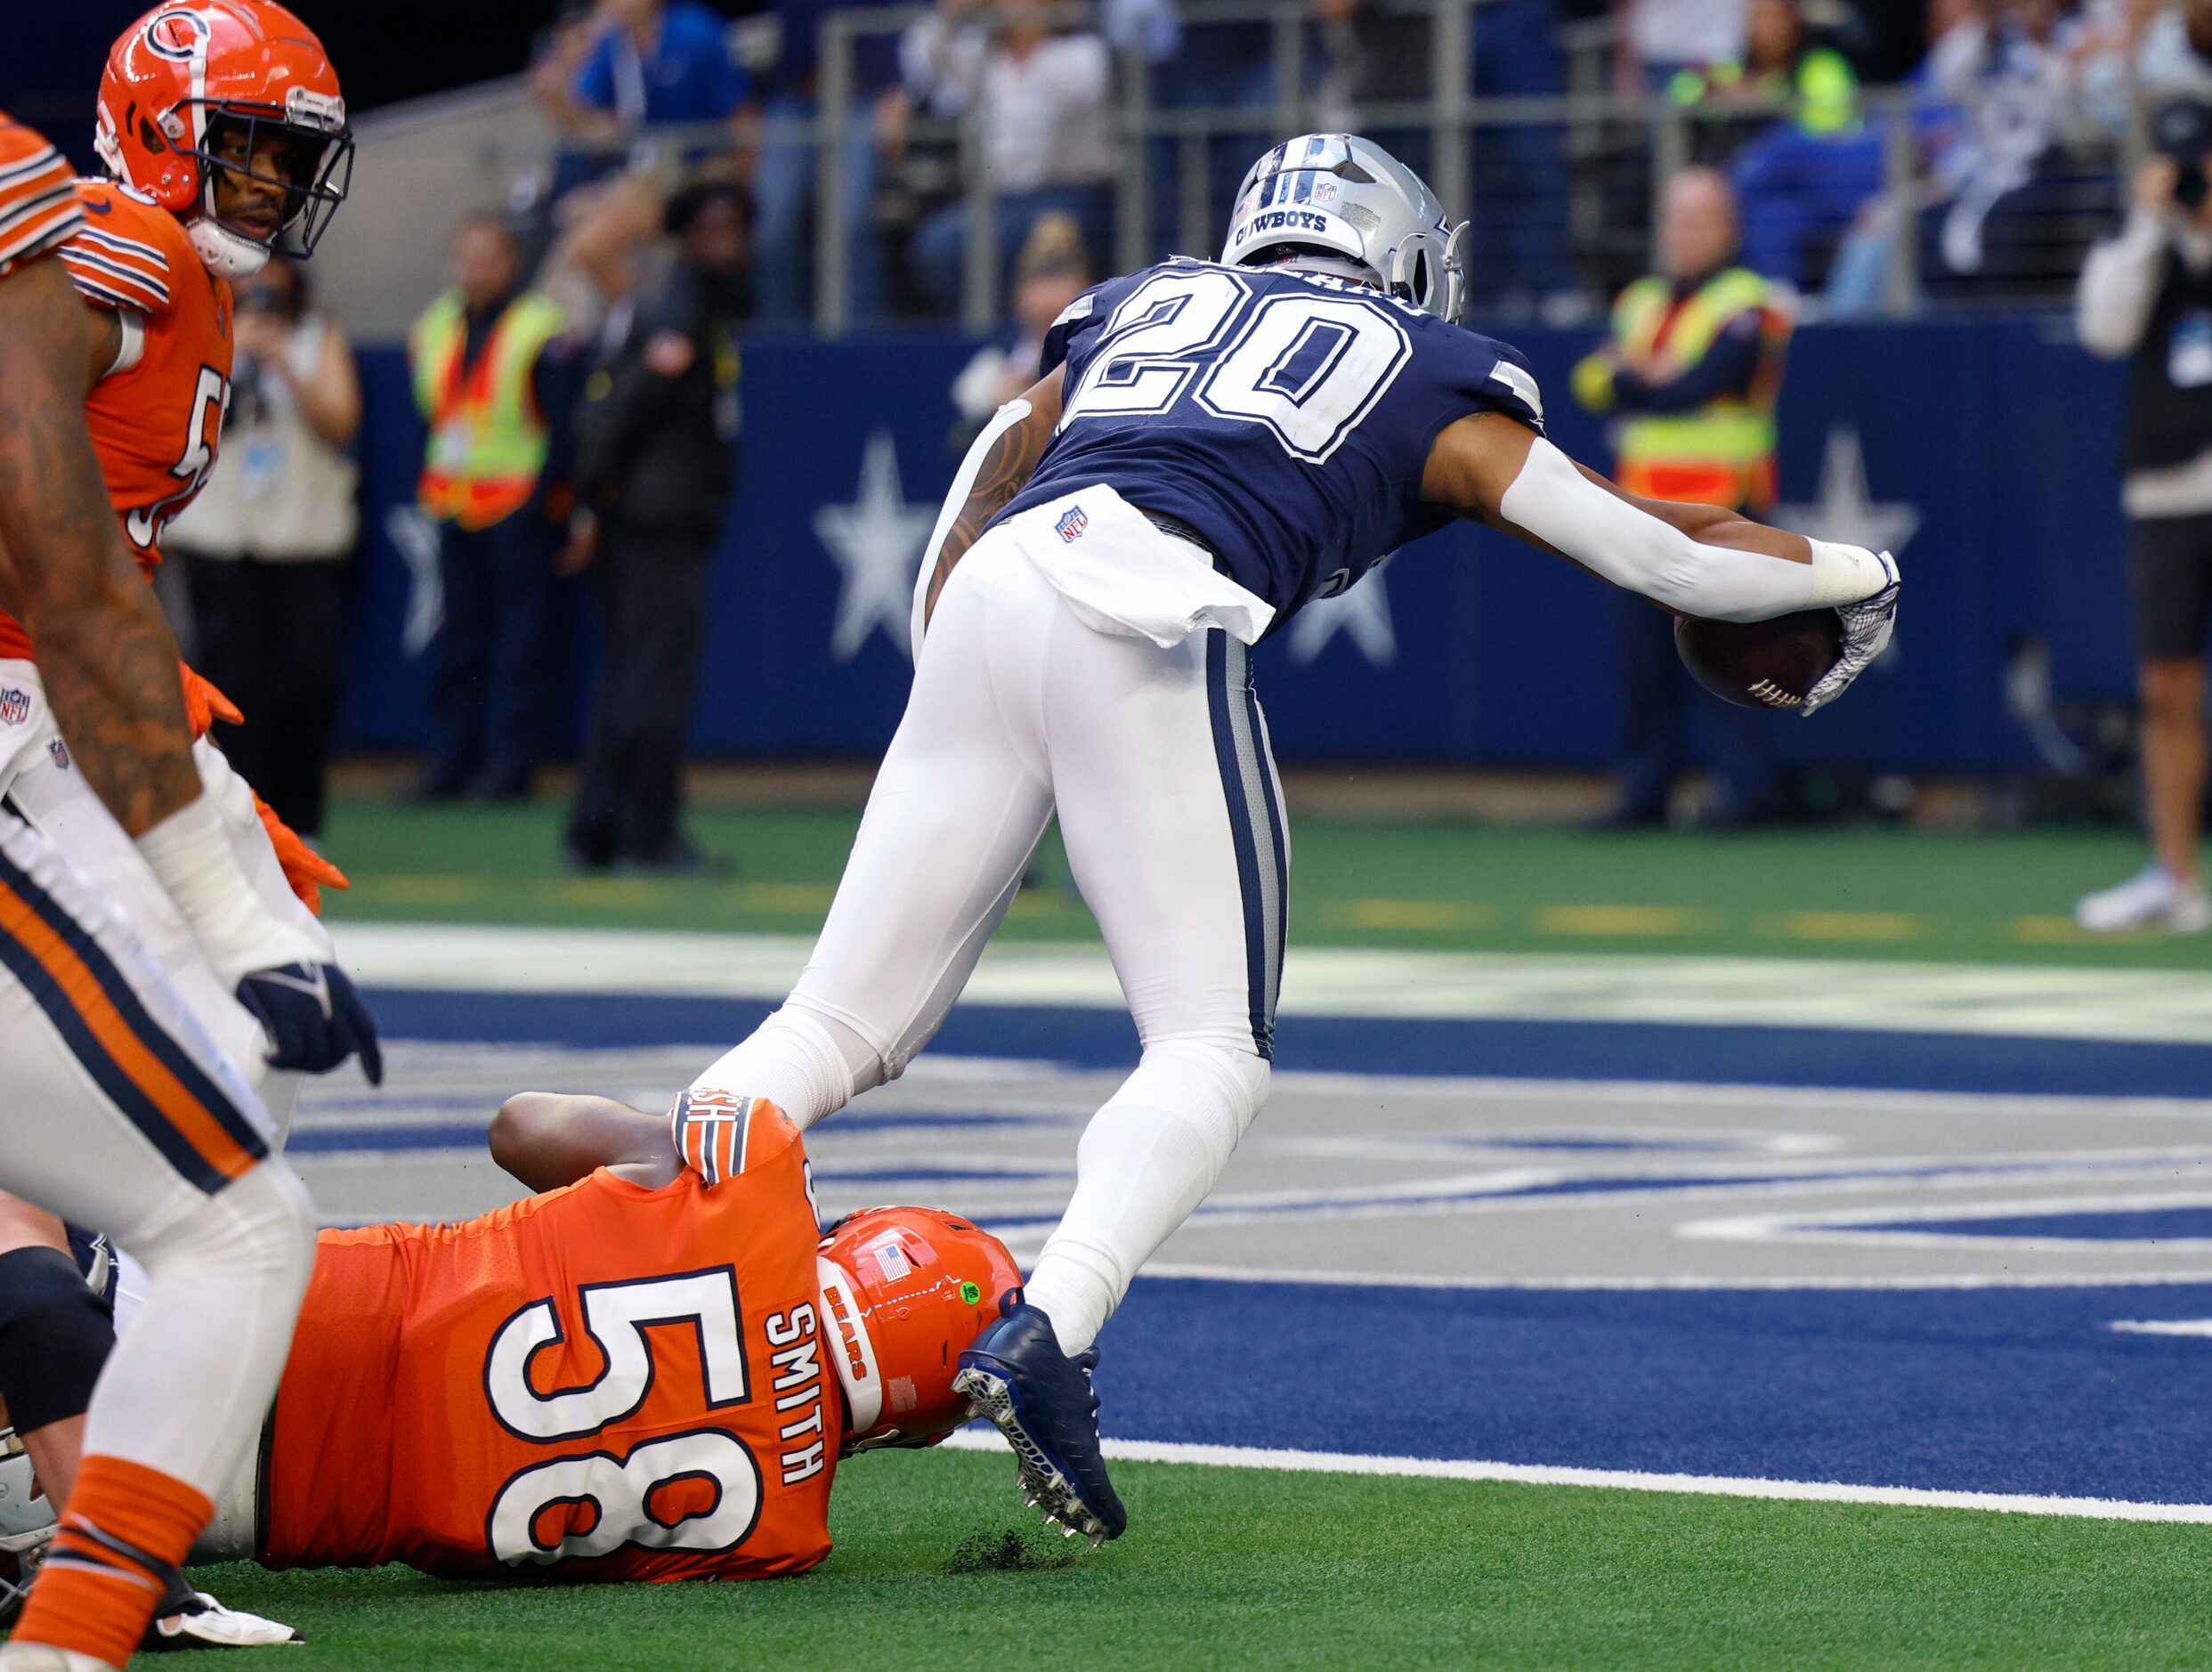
(1846,511)
(414,537)
(1363,613)
(876,541)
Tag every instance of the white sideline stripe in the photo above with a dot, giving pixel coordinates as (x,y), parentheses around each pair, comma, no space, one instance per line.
(2165,1325)
(1618,1480)
(1640,1285)
(2005,1001)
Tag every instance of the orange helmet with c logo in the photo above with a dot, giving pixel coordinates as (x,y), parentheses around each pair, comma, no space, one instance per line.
(905,1291)
(191,71)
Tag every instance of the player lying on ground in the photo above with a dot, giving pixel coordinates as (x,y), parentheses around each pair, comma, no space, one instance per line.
(1217,444)
(648,1371)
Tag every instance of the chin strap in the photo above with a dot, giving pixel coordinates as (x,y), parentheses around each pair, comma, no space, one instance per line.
(228,255)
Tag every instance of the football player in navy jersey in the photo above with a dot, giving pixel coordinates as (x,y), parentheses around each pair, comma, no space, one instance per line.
(1214,445)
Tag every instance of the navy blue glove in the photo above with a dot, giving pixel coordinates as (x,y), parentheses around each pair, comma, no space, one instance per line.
(314,1017)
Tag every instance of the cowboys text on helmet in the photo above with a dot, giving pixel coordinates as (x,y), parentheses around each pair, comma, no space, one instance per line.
(1342,196)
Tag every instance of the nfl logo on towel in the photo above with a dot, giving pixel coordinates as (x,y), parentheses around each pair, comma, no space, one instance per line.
(15,706)
(1072,524)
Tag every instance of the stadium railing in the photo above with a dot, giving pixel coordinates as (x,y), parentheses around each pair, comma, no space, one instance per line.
(1561,188)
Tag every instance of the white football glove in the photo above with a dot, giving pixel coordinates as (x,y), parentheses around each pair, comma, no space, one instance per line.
(193,1619)
(1867,625)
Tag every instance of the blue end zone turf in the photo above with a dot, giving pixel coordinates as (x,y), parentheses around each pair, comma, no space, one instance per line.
(1996,1389)
(1549,1051)
(2148,1224)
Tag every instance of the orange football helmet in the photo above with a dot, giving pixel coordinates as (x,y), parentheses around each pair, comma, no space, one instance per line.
(193,76)
(904,1290)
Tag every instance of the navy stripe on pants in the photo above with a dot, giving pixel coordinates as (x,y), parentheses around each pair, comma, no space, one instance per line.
(1255,826)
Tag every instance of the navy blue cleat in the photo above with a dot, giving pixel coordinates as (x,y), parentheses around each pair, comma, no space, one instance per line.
(1041,1400)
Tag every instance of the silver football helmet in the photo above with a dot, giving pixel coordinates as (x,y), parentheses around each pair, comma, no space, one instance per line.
(1348,197)
(26,1525)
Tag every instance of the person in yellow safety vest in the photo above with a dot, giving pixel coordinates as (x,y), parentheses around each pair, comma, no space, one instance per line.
(496,381)
(1690,375)
(1782,68)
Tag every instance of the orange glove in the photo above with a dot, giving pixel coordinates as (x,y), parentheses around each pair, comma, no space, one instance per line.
(307,870)
(204,704)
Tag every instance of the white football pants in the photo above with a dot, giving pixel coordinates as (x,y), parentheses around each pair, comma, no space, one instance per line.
(129,1107)
(1157,761)
(51,795)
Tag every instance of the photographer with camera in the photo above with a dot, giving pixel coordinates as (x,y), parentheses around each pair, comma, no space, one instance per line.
(2147,295)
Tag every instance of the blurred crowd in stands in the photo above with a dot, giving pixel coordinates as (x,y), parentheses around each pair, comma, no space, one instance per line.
(580,380)
(1985,137)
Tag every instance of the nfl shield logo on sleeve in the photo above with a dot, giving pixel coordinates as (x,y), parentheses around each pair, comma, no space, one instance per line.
(1072,524)
(15,705)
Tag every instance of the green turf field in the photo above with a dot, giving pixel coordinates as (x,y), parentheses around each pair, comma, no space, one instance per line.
(1867,893)
(1244,1567)
(937,1565)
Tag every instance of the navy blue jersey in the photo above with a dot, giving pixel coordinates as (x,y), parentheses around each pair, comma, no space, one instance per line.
(1284,416)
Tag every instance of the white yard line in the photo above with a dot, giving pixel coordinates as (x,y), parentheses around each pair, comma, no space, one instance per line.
(1620,1480)
(1688,1282)
(1998,1000)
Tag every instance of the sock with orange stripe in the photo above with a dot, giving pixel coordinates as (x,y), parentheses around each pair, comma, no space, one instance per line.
(126,1530)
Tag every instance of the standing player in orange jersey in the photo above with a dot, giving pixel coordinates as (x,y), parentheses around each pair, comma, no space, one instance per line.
(649,1371)
(238,103)
(122,1110)
(224,127)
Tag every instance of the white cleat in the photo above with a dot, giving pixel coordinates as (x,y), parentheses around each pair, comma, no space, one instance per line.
(2154,898)
(201,1622)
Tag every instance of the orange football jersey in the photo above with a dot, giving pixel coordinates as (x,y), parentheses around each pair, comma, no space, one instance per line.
(156,420)
(613,1382)
(38,210)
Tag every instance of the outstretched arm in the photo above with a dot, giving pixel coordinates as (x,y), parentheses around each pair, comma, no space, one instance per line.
(549,1139)
(1694,559)
(997,467)
(107,657)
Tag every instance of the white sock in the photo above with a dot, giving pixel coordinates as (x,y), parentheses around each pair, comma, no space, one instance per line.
(44,1657)
(807,1064)
(1148,1158)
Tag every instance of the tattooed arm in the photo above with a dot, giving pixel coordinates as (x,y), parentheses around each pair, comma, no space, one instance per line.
(996,469)
(110,667)
(105,655)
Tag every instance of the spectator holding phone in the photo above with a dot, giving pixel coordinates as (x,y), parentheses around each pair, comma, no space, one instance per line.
(2146,295)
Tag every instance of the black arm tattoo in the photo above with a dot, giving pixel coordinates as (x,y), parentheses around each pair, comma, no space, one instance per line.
(1007,469)
(107,657)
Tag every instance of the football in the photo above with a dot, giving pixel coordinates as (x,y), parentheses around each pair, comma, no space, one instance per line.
(1769,664)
